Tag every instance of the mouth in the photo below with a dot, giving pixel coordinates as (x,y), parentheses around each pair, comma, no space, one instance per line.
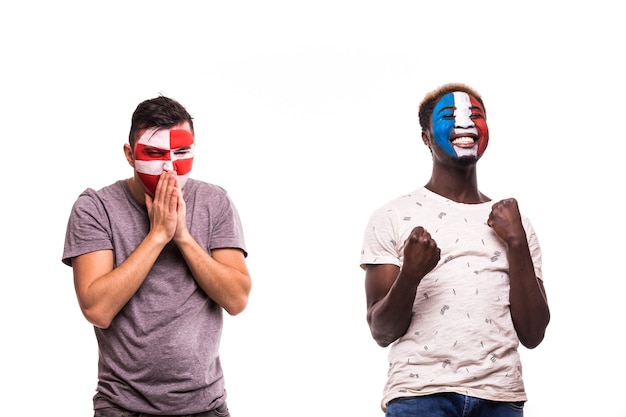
(464,141)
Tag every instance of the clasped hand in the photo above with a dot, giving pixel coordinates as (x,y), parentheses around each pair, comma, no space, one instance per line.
(167,210)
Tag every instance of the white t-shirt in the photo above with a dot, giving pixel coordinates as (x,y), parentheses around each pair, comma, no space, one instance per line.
(461,337)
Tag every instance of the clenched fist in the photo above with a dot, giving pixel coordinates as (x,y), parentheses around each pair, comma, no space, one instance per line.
(506,221)
(421,253)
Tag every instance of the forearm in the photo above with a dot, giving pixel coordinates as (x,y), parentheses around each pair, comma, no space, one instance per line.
(529,306)
(226,281)
(390,317)
(103,291)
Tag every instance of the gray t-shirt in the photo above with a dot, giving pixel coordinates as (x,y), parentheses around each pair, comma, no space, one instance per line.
(160,353)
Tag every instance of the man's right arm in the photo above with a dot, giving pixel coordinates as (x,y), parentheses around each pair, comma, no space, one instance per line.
(390,290)
(102,290)
(389,302)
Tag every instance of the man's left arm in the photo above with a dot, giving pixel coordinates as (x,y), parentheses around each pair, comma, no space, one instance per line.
(223,275)
(528,301)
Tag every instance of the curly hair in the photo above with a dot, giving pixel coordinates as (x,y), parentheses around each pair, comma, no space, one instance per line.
(429,102)
(161,112)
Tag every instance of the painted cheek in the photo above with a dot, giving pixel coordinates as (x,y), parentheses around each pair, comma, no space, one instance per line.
(183,166)
(481,126)
(484,137)
(148,166)
(442,128)
(149,181)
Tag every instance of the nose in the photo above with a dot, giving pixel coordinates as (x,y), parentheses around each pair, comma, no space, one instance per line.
(462,119)
(463,123)
(168,166)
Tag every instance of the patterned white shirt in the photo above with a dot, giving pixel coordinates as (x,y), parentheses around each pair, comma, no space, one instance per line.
(461,337)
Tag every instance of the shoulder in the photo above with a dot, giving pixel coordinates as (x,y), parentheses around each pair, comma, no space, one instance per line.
(417,201)
(194,186)
(203,195)
(205,191)
(408,199)
(111,192)
(390,214)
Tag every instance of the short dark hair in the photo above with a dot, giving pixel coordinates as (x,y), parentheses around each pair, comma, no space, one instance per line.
(427,106)
(162,112)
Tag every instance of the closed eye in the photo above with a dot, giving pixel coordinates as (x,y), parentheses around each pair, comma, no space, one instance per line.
(446,114)
(477,113)
(182,151)
(154,152)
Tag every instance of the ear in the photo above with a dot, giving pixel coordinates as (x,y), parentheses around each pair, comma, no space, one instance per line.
(426,138)
(128,152)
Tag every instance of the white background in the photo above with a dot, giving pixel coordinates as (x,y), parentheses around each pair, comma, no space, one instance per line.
(306,112)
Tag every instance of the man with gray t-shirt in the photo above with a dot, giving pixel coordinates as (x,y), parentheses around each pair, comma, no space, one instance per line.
(156,258)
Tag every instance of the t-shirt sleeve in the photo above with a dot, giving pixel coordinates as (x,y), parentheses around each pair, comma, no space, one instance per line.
(228,230)
(380,241)
(86,228)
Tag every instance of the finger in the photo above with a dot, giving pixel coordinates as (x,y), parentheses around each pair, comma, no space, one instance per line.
(172,191)
(148,200)
(417,230)
(420,234)
(161,187)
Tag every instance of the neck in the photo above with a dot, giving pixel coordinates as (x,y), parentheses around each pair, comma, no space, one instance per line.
(460,185)
(136,189)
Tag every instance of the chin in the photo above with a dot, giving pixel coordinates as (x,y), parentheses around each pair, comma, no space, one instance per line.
(466,160)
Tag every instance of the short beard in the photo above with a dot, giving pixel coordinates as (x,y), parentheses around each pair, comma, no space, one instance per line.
(466,160)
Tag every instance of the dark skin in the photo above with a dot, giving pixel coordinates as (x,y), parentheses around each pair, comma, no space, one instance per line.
(390,291)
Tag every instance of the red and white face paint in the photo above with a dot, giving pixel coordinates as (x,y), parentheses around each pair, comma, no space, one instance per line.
(159,150)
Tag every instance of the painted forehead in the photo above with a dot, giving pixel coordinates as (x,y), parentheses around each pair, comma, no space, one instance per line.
(459,101)
(166,138)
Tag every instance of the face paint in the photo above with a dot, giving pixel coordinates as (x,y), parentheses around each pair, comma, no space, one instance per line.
(159,150)
(459,126)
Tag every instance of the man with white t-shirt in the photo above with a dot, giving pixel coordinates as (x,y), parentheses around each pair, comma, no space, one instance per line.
(453,279)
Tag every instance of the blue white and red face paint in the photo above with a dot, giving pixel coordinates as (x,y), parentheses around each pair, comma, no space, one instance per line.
(159,150)
(459,125)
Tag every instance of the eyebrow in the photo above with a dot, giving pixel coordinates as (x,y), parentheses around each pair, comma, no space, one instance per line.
(480,109)
(151,147)
(454,108)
